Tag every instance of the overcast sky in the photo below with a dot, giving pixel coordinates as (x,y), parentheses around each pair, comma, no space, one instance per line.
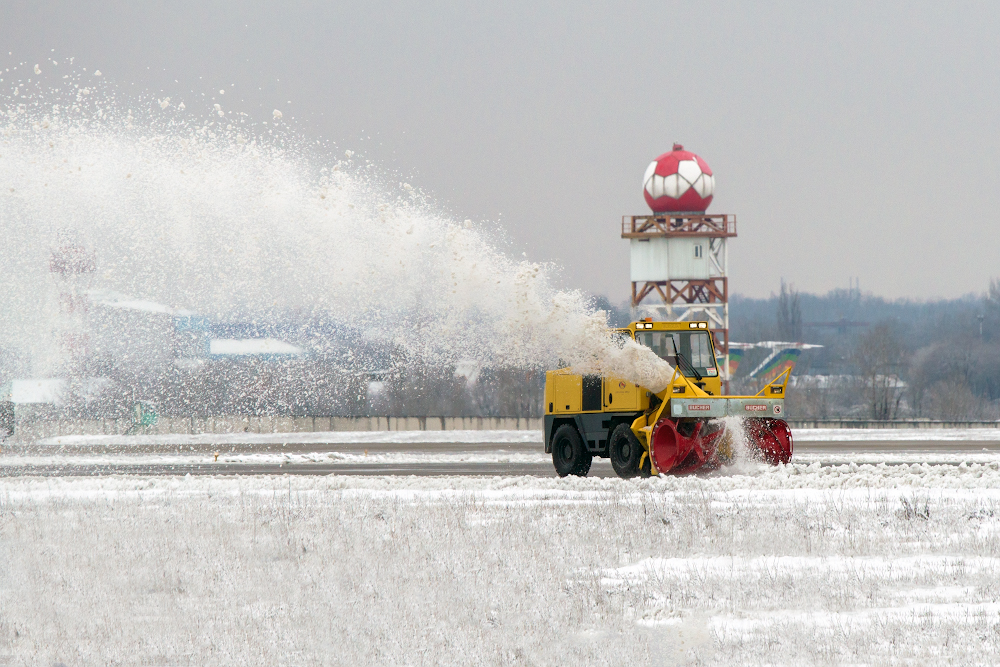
(850,139)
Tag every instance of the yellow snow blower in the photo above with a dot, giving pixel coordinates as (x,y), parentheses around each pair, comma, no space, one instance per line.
(680,429)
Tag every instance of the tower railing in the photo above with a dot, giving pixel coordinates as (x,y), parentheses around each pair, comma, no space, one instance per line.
(678,224)
(687,291)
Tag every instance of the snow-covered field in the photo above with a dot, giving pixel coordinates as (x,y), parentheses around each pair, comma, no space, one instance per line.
(800,564)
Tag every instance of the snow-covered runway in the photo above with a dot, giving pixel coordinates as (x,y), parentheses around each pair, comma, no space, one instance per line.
(516,453)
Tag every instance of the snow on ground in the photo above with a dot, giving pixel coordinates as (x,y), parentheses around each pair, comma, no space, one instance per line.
(871,446)
(811,435)
(895,457)
(895,435)
(484,456)
(798,564)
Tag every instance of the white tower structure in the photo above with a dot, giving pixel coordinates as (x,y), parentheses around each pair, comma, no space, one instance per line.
(73,267)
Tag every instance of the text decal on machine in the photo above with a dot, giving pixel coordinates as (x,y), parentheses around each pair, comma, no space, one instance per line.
(755,408)
(699,407)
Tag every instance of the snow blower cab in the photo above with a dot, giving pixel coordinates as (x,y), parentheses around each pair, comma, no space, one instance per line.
(680,429)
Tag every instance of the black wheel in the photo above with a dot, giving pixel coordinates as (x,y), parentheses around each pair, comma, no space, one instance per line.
(626,452)
(569,456)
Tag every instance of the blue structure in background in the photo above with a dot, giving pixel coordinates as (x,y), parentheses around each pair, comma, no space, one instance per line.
(192,337)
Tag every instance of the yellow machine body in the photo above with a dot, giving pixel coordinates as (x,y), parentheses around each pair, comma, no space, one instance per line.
(595,405)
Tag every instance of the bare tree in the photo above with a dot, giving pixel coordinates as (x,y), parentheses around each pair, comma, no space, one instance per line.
(419,389)
(990,321)
(508,391)
(879,357)
(789,314)
(953,399)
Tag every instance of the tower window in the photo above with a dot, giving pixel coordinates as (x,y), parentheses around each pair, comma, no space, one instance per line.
(697,252)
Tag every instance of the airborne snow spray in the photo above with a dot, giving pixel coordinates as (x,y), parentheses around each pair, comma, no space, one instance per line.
(214,213)
(743,455)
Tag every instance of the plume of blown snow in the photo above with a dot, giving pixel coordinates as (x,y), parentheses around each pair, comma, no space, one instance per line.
(217,216)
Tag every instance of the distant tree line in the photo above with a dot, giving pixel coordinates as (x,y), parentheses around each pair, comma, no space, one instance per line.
(330,379)
(883,359)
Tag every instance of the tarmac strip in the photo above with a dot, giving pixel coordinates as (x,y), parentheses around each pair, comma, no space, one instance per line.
(72,460)
(381,469)
(820,446)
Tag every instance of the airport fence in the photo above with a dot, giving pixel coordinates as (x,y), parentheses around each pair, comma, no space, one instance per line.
(36,429)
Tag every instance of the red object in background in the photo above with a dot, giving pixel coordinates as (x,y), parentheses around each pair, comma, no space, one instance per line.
(678,181)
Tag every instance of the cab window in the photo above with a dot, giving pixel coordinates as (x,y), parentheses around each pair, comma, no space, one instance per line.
(696,346)
(620,336)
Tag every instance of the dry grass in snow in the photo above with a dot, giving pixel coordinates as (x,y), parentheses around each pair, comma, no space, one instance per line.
(795,565)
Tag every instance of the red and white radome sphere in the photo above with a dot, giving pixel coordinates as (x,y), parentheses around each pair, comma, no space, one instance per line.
(678,181)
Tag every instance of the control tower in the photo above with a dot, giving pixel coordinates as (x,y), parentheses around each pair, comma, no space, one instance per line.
(678,253)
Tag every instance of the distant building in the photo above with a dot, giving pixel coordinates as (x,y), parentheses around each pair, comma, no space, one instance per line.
(49,391)
(40,391)
(255,347)
(38,397)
